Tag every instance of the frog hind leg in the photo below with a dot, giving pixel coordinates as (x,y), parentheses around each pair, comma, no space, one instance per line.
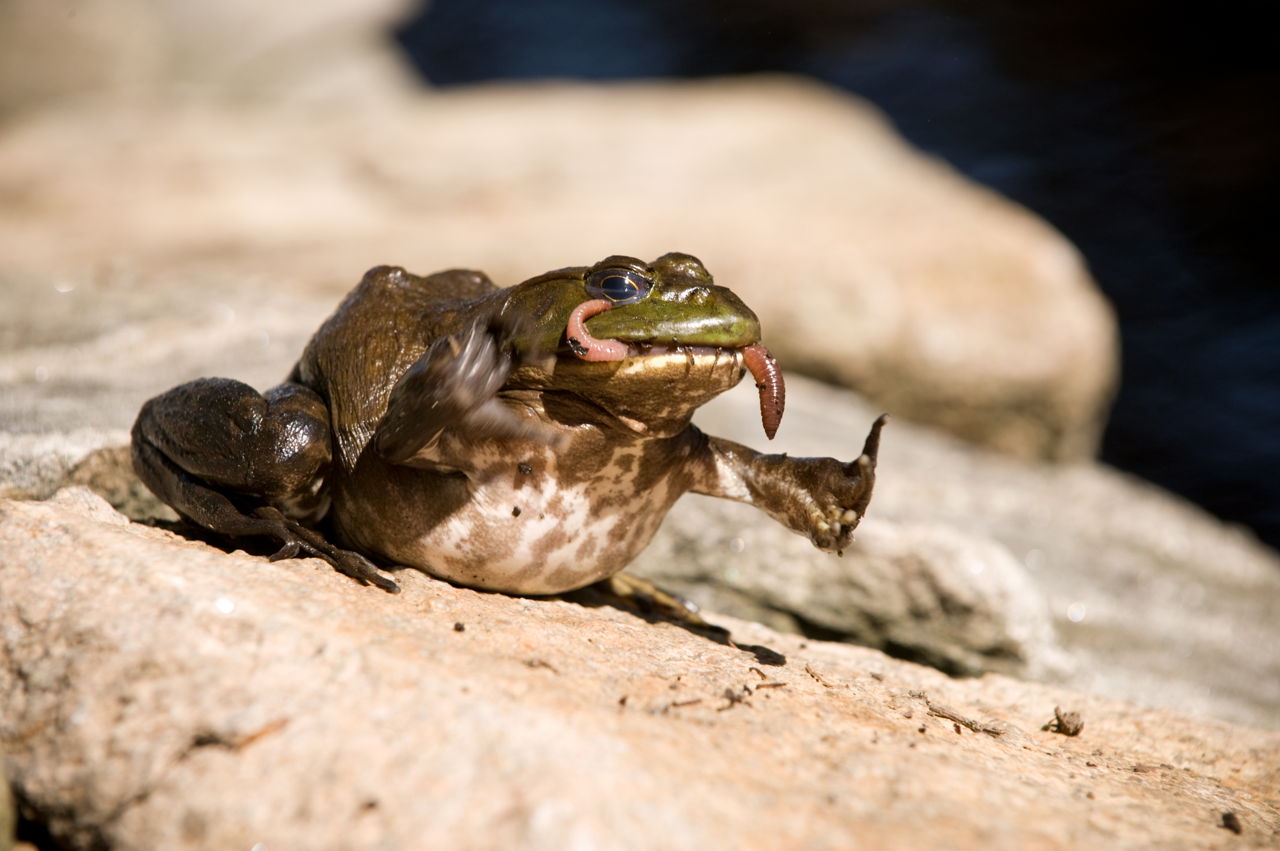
(235,461)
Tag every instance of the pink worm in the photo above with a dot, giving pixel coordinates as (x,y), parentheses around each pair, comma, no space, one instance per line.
(773,393)
(584,345)
(763,366)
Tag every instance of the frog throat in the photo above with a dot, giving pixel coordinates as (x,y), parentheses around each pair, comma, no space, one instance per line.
(763,366)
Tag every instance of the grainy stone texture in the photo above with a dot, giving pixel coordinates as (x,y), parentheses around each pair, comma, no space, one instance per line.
(968,560)
(167,695)
(868,262)
(931,593)
(1154,600)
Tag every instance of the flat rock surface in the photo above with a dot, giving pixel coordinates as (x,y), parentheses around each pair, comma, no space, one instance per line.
(1154,600)
(163,694)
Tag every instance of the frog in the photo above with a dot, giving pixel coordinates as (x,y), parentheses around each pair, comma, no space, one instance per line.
(526,440)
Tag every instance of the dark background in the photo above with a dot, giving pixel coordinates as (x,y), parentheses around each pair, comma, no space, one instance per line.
(1146,132)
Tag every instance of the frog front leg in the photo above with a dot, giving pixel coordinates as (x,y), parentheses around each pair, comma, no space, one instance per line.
(244,464)
(454,385)
(820,498)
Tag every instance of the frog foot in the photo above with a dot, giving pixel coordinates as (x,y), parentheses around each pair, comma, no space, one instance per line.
(643,596)
(840,497)
(298,541)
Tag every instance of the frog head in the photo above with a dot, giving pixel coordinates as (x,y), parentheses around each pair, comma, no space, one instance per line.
(646,342)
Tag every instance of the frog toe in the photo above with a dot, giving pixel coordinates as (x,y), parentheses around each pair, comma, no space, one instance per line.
(645,597)
(289,549)
(298,541)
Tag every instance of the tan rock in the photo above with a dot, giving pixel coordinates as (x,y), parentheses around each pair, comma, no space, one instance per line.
(929,593)
(869,263)
(968,559)
(163,694)
(56,50)
(1155,601)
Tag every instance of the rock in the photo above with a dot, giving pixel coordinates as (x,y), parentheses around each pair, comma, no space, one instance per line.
(869,263)
(929,593)
(161,49)
(1154,600)
(36,464)
(968,560)
(165,694)
(8,817)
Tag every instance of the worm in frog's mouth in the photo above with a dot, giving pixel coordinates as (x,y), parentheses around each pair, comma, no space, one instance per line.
(763,366)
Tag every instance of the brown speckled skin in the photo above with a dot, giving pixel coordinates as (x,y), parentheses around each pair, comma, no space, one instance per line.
(562,482)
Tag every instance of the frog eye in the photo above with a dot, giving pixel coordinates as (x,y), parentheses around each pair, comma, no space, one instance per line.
(620,286)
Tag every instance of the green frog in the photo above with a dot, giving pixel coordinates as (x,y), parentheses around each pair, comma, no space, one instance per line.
(526,440)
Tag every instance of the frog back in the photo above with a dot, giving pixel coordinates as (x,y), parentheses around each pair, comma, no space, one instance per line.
(378,331)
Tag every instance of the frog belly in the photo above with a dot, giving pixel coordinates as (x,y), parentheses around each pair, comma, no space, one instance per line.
(558,540)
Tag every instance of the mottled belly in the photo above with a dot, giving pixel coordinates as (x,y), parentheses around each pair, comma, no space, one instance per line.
(536,538)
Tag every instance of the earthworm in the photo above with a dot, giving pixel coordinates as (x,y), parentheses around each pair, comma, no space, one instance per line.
(773,393)
(584,345)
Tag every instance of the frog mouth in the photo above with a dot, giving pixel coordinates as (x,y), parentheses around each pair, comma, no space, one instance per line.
(762,365)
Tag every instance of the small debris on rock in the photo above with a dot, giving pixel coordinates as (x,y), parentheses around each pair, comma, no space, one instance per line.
(823,681)
(459,626)
(940,711)
(1231,822)
(734,698)
(681,703)
(541,663)
(1065,723)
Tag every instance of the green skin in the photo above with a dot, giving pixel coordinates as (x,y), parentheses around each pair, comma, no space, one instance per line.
(685,306)
(442,423)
